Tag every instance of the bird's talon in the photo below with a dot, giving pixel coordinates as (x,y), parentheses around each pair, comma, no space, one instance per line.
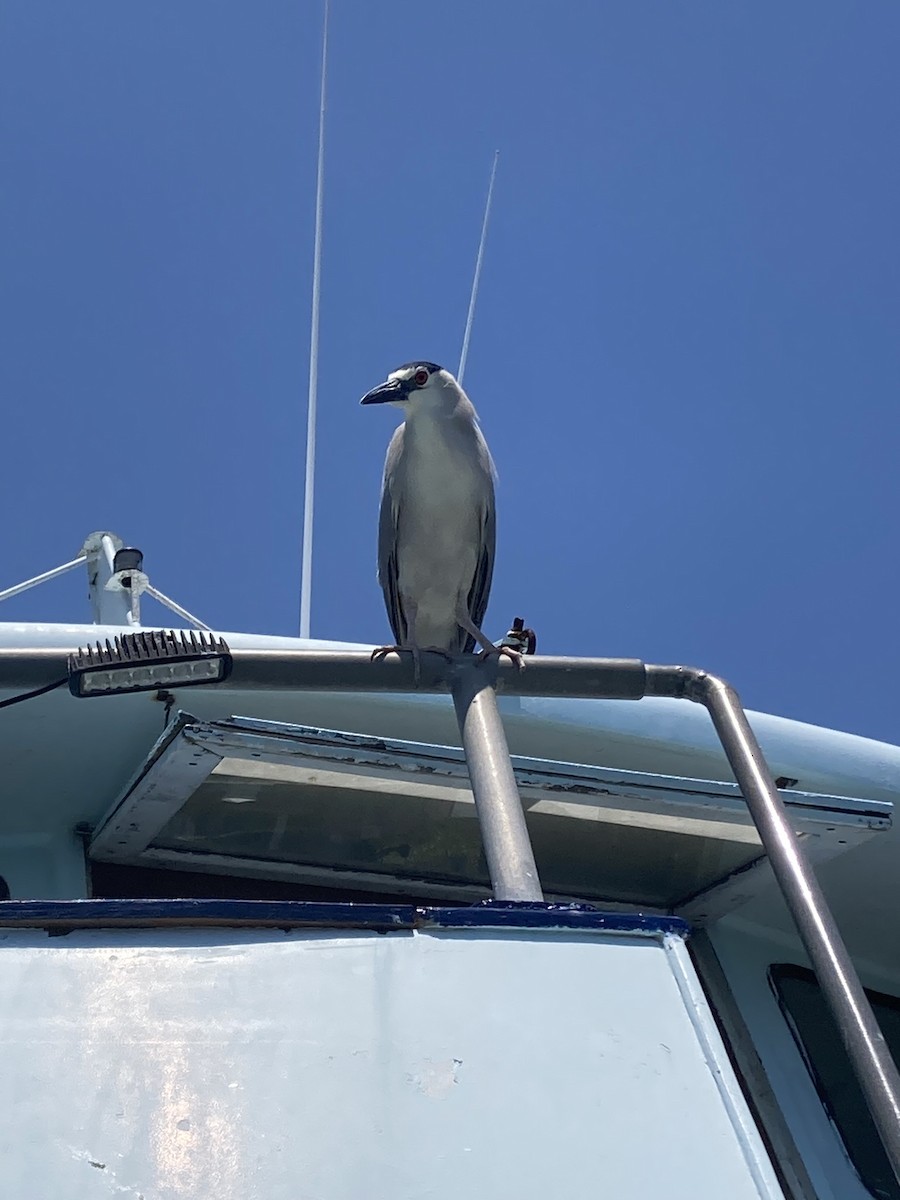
(381,652)
(504,652)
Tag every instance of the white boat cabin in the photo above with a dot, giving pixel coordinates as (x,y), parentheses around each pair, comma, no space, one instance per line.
(249,946)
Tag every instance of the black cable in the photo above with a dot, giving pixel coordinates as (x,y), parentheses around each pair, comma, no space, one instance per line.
(48,687)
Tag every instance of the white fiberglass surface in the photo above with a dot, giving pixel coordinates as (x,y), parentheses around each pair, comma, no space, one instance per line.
(670,737)
(391,1067)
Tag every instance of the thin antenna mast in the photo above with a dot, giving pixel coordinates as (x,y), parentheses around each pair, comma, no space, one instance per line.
(475,282)
(309,492)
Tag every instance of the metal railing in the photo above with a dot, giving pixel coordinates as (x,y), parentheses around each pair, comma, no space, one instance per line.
(473,685)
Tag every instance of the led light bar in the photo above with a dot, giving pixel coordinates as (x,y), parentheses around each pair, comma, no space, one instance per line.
(148,661)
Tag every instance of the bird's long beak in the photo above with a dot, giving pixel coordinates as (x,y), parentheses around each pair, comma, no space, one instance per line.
(393,389)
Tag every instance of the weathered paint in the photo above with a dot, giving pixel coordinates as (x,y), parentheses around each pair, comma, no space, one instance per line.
(66,915)
(152,821)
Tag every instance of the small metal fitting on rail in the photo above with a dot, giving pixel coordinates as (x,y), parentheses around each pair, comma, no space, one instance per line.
(520,639)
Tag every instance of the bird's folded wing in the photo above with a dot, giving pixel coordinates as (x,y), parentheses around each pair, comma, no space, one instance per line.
(484,570)
(388,573)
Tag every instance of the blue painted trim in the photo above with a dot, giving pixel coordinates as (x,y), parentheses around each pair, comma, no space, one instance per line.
(279,914)
(300,914)
(512,915)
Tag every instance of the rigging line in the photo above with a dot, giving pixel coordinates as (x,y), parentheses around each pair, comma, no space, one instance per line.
(475,282)
(30,583)
(309,489)
(175,608)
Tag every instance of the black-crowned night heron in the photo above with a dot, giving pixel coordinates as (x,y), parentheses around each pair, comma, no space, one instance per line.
(437,522)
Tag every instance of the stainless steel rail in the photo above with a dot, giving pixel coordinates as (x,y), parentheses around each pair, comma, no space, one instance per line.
(866,1048)
(507,847)
(610,678)
(339,670)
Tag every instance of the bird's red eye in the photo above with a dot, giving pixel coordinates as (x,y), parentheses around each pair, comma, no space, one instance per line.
(421,377)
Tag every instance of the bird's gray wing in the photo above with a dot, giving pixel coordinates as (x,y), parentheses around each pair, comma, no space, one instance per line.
(484,570)
(387,541)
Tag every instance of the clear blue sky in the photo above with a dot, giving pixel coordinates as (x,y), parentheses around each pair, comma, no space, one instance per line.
(685,355)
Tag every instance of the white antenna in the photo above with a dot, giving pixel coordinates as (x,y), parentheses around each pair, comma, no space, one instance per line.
(478,261)
(309,492)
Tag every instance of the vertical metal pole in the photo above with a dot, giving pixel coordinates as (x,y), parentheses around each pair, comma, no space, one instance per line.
(309,490)
(111,606)
(507,845)
(864,1041)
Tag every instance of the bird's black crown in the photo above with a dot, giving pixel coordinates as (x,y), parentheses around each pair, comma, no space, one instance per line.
(429,367)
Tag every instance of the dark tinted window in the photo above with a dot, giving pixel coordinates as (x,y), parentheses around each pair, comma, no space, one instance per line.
(820,1043)
(114,881)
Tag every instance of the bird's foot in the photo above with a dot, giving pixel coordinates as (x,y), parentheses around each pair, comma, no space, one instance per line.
(488,649)
(381,652)
(502,652)
(416,651)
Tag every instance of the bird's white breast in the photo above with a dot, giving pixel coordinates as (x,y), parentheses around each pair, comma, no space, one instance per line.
(444,482)
(444,486)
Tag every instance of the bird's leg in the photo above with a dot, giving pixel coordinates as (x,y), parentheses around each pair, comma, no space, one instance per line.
(487,646)
(411,647)
(416,652)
